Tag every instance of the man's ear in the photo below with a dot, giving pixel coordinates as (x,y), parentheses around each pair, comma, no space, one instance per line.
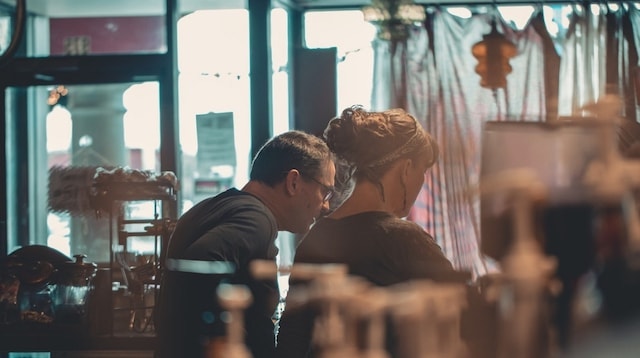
(292,182)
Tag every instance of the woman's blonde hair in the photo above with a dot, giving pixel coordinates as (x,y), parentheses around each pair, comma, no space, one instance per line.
(367,144)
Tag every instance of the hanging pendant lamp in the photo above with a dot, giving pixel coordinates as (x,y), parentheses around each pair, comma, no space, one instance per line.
(493,54)
(393,17)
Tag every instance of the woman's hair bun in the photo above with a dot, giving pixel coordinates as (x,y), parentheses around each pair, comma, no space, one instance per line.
(341,134)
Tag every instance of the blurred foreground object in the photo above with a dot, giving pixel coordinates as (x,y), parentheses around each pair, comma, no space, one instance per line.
(588,223)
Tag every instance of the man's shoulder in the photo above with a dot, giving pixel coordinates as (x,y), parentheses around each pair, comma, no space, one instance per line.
(243,203)
(239,198)
(222,204)
(233,196)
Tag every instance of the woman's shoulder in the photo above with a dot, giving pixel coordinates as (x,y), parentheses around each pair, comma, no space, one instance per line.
(366,218)
(371,221)
(393,223)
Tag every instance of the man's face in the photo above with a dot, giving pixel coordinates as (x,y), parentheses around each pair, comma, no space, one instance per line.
(314,195)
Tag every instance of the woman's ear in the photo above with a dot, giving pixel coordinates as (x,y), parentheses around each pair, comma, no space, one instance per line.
(407,165)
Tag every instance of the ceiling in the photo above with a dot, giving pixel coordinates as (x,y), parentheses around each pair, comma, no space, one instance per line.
(318,4)
(102,8)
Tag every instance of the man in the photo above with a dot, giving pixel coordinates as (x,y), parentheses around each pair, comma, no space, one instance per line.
(290,184)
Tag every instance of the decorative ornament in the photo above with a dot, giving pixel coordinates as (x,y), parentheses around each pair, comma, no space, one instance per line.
(393,17)
(57,94)
(493,54)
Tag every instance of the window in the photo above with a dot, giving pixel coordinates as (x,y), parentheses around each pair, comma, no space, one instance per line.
(87,126)
(325,29)
(214,91)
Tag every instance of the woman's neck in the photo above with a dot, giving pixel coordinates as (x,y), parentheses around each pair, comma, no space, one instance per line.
(366,196)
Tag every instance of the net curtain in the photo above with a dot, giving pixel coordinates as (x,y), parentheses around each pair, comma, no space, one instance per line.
(431,74)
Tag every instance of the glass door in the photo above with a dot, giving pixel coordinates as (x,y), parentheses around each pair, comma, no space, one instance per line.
(82,91)
(70,131)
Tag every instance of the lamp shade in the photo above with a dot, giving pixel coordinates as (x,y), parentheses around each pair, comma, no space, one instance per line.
(493,54)
(392,17)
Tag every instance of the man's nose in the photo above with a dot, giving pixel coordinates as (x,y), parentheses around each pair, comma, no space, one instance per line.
(325,208)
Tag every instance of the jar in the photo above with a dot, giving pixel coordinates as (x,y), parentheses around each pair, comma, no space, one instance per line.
(73,284)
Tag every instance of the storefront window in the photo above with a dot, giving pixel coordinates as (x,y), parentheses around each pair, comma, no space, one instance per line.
(324,29)
(74,130)
(214,102)
(280,65)
(94,27)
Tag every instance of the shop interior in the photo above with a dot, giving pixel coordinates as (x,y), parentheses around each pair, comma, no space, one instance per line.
(118,116)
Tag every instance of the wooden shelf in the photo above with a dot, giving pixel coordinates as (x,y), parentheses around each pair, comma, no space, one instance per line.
(40,337)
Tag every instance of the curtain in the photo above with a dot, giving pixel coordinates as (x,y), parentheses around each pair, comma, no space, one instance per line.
(582,68)
(625,77)
(431,74)
(632,34)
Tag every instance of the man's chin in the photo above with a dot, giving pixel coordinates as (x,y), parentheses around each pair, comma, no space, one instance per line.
(305,230)
(300,231)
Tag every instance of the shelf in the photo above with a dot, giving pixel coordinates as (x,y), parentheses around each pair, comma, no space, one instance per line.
(138,278)
(104,195)
(126,234)
(142,221)
(28,337)
(134,191)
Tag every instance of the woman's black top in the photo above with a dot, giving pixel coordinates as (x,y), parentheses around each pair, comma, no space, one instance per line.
(377,246)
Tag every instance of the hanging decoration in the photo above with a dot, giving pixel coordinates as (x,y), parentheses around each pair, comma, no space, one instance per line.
(493,54)
(56,94)
(393,17)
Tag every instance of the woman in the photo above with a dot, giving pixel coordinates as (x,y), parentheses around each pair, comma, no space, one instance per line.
(387,154)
